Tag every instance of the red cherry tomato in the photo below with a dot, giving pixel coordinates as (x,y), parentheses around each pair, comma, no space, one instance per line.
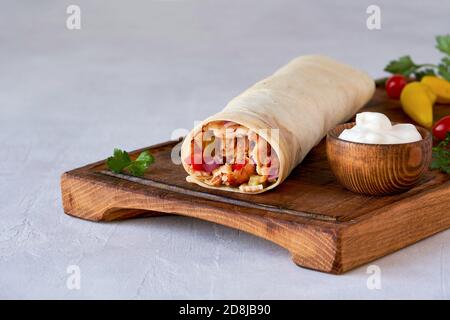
(394,86)
(441,128)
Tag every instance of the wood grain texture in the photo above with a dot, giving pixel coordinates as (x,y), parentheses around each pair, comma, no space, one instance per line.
(378,169)
(324,226)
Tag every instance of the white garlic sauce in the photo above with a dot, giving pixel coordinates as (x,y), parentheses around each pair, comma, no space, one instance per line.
(376,128)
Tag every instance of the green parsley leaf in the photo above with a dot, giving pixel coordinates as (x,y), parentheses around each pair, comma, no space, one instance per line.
(441,155)
(444,68)
(403,65)
(121,162)
(443,44)
(146,157)
(407,67)
(141,164)
(424,72)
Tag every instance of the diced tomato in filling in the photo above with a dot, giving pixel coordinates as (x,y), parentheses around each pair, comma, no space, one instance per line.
(237,166)
(258,171)
(203,166)
(193,161)
(197,167)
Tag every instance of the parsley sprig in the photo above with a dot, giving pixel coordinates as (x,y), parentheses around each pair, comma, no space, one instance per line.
(121,162)
(441,155)
(407,67)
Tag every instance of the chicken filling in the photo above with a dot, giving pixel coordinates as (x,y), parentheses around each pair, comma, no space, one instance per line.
(228,154)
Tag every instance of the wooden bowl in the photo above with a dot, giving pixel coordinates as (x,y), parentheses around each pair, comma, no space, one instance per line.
(378,169)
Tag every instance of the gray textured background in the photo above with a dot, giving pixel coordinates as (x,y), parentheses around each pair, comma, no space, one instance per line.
(136,71)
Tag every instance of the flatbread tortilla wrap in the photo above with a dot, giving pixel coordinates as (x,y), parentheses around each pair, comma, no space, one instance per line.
(253,144)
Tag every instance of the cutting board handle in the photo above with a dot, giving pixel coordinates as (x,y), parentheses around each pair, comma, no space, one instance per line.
(310,246)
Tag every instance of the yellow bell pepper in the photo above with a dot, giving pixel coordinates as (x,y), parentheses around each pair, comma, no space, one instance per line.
(430,94)
(439,86)
(417,102)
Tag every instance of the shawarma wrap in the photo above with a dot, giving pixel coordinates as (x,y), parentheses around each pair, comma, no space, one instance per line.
(253,144)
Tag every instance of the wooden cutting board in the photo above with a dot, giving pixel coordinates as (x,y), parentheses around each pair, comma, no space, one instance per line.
(324,226)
